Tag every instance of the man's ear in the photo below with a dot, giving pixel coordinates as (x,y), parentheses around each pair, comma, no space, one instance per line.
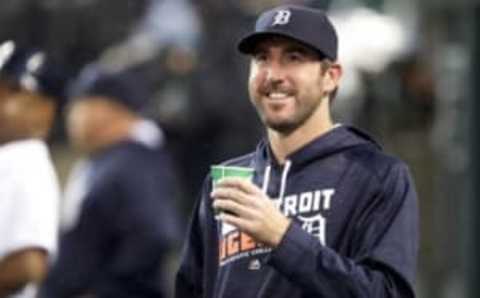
(332,77)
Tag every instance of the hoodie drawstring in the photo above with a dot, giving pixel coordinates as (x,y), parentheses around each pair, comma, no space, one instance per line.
(266,179)
(283,184)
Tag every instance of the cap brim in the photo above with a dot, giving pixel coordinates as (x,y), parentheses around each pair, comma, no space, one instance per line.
(248,43)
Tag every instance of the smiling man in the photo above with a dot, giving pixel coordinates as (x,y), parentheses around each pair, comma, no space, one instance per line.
(328,214)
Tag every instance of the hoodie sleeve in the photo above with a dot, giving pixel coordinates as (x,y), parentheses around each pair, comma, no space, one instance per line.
(386,241)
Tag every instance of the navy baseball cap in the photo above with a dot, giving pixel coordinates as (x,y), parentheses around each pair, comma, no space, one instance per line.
(126,88)
(31,70)
(308,26)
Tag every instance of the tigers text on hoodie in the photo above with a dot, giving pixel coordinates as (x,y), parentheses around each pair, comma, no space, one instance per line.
(354,231)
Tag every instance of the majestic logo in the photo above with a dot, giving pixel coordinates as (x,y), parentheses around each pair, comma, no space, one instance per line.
(281,17)
(255,264)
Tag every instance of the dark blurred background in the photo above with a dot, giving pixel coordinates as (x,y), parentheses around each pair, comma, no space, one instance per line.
(410,79)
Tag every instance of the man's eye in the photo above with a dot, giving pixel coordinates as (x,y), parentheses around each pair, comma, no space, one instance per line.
(295,56)
(260,57)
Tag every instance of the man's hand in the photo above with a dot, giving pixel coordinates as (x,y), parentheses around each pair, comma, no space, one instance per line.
(250,210)
(20,268)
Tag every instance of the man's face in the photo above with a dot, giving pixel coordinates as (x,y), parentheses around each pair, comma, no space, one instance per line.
(85,120)
(286,83)
(94,121)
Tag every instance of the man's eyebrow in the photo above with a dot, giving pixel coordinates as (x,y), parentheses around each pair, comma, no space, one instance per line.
(300,49)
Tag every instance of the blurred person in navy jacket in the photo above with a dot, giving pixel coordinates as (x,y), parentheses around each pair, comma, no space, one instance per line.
(120,219)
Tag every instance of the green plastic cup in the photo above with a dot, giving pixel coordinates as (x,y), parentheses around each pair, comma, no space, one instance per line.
(219,172)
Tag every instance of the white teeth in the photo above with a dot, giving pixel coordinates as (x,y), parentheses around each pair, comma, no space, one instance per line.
(278,95)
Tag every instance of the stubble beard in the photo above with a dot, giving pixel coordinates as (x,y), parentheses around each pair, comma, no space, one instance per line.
(288,125)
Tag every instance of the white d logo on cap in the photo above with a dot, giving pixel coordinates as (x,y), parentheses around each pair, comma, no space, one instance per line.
(282,17)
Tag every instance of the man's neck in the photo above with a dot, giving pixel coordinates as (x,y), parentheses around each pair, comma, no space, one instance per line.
(284,144)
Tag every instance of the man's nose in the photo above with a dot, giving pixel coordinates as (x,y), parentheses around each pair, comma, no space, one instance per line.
(275,72)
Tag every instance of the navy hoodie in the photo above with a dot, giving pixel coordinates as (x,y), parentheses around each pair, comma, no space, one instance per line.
(354,231)
(127,225)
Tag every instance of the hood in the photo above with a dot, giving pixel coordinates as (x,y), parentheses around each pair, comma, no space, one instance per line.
(337,140)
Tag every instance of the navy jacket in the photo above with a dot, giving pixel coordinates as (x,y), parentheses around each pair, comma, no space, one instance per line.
(354,230)
(126,226)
